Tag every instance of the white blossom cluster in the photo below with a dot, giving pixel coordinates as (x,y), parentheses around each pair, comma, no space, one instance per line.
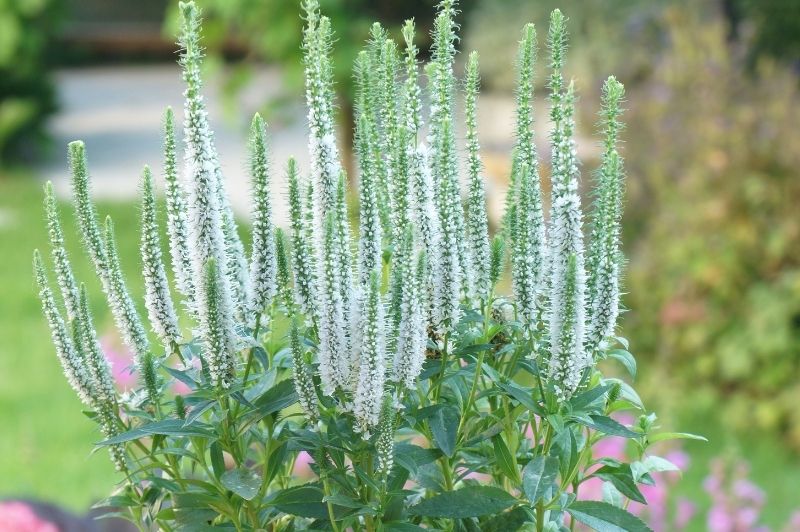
(369,309)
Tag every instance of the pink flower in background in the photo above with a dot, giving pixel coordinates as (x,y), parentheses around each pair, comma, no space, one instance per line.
(121,361)
(736,501)
(17,516)
(302,465)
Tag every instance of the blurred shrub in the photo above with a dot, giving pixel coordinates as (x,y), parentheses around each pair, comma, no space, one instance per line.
(713,152)
(713,155)
(26,94)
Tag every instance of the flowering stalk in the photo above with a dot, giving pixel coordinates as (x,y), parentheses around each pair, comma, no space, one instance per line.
(58,253)
(263,265)
(605,256)
(369,390)
(412,334)
(477,221)
(206,235)
(301,372)
(303,259)
(157,298)
(177,223)
(566,318)
(283,268)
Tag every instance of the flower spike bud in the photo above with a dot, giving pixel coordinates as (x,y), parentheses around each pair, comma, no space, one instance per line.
(528,258)
(384,444)
(303,381)
(605,255)
(263,265)
(524,146)
(71,362)
(477,220)
(177,222)
(217,329)
(567,359)
(283,268)
(122,307)
(497,255)
(370,390)
(303,259)
(97,365)
(412,335)
(412,114)
(64,275)
(157,298)
(86,213)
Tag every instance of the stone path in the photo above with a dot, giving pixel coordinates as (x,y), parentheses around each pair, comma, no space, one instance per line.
(118,111)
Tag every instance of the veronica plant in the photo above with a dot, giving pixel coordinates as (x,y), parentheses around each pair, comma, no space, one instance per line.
(425,398)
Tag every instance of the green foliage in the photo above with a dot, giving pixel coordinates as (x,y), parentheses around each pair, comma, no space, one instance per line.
(26,92)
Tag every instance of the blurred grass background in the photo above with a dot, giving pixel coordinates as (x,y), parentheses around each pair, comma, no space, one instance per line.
(712,231)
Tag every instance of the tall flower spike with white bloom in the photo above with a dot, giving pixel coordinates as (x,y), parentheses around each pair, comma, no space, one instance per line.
(206,234)
(72,364)
(219,351)
(177,222)
(63,270)
(448,295)
(566,367)
(301,372)
(566,317)
(605,256)
(370,243)
(263,263)
(199,139)
(303,260)
(426,220)
(343,242)
(526,259)
(125,313)
(370,390)
(103,255)
(477,219)
(325,165)
(334,361)
(412,336)
(157,298)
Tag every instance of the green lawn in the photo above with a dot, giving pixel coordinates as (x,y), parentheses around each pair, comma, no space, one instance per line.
(45,447)
(45,441)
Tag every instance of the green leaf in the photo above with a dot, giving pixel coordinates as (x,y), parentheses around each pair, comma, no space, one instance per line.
(579,402)
(242,482)
(538,477)
(303,501)
(472,501)
(217,459)
(605,517)
(656,464)
(166,427)
(626,359)
(609,426)
(401,526)
(280,396)
(505,461)
(525,397)
(444,424)
(662,436)
(622,479)
(509,521)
